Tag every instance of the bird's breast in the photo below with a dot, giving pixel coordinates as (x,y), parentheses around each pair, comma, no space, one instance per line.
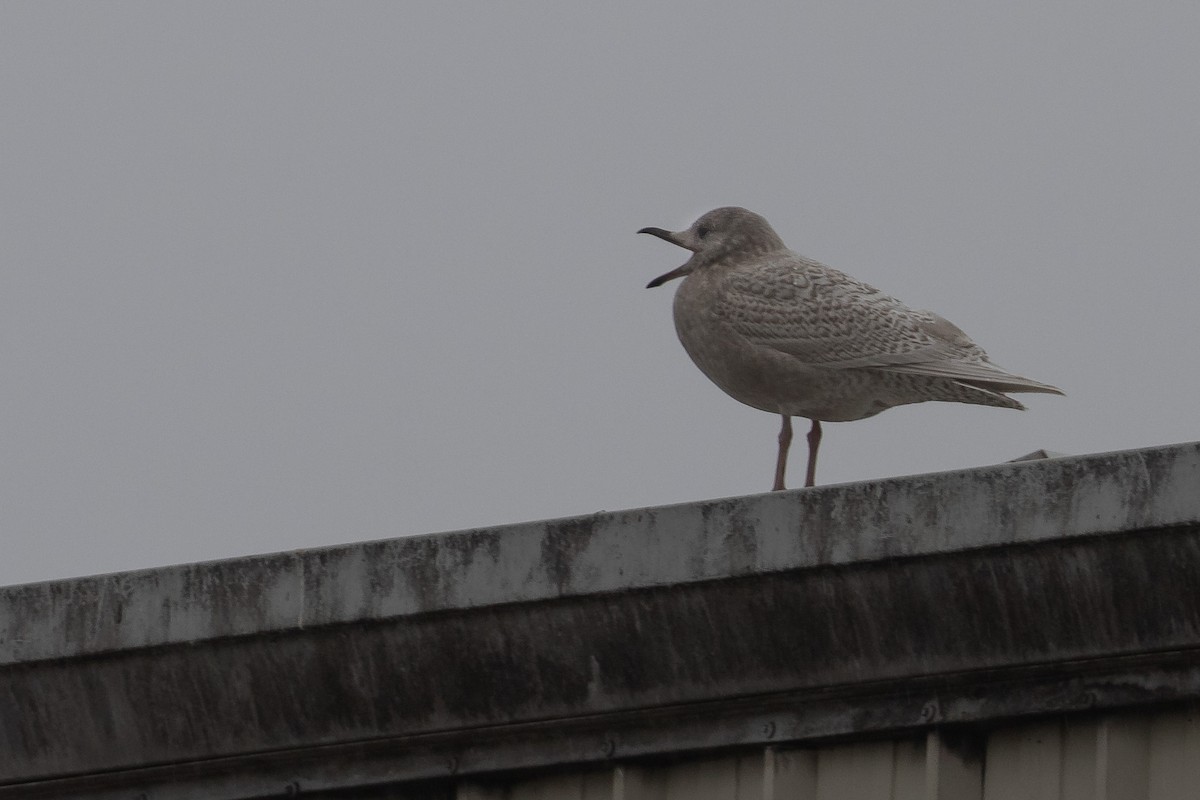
(747,372)
(761,376)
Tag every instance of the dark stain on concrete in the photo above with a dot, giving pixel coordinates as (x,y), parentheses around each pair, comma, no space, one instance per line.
(800,630)
(561,545)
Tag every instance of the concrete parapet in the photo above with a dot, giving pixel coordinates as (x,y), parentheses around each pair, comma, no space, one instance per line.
(952,599)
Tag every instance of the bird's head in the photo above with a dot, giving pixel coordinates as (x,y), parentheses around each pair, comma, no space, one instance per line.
(723,234)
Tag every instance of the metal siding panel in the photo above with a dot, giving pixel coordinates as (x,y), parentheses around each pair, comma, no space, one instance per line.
(702,780)
(1123,758)
(636,783)
(588,784)
(908,769)
(554,787)
(790,774)
(750,776)
(1024,763)
(953,767)
(859,771)
(1080,777)
(1174,755)
(598,785)
(1133,756)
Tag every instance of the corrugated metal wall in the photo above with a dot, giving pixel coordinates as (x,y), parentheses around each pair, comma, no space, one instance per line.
(1142,756)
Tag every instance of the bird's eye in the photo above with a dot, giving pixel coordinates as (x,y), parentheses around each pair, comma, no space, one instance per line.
(702,231)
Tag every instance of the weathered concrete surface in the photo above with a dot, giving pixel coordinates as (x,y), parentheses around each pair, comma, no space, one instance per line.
(958,597)
(641,548)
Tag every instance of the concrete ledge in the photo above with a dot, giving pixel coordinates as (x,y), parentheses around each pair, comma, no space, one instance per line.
(607,552)
(953,598)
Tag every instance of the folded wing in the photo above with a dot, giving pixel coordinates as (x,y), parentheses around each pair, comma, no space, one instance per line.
(825,318)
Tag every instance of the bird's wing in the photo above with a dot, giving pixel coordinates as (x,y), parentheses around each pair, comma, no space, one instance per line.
(825,318)
(983,374)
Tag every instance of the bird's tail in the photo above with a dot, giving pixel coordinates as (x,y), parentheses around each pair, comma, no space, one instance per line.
(983,375)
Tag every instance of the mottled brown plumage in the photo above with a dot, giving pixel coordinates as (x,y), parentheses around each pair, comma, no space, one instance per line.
(786,334)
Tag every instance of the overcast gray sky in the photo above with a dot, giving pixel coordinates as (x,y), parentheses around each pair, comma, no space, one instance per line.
(282,275)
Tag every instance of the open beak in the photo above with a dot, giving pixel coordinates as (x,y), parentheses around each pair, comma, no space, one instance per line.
(673,238)
(678,272)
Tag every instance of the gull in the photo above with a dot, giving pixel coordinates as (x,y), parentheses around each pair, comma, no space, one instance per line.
(786,334)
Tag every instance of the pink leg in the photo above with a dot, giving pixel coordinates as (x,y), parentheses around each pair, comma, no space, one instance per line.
(814,441)
(785,441)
